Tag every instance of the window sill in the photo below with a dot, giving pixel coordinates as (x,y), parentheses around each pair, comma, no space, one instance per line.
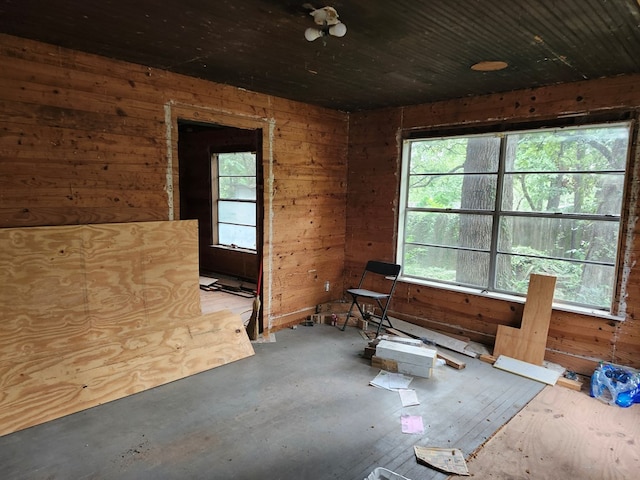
(234,249)
(513,298)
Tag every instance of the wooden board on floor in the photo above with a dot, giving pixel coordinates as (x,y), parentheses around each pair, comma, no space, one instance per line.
(528,343)
(92,313)
(451,360)
(562,433)
(528,370)
(438,338)
(216,300)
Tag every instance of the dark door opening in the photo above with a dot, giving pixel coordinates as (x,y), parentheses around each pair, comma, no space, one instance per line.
(221,189)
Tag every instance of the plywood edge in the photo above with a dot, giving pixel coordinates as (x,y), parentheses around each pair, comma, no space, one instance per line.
(204,343)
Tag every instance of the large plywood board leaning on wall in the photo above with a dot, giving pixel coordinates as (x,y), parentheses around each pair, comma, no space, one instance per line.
(93,313)
(528,343)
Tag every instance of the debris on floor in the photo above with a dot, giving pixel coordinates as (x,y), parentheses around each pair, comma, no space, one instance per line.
(447,460)
(616,384)
(401,355)
(391,365)
(528,370)
(571,383)
(391,381)
(383,474)
(408,397)
(335,313)
(227,284)
(412,424)
(454,342)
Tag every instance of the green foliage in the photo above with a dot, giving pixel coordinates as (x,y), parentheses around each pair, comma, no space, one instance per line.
(237,175)
(564,171)
(242,164)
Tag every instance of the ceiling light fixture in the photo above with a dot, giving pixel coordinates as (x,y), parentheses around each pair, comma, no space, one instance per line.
(327,19)
(489,66)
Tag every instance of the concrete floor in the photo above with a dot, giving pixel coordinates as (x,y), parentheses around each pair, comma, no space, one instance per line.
(301,408)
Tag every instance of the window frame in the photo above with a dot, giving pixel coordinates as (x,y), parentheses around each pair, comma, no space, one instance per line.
(216,198)
(617,304)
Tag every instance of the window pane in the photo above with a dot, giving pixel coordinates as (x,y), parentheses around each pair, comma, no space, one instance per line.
(444,229)
(448,191)
(564,192)
(240,213)
(243,237)
(238,188)
(591,240)
(579,283)
(430,262)
(476,154)
(570,149)
(574,175)
(237,164)
(446,264)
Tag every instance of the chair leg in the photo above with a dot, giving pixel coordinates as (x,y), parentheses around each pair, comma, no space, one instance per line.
(383,317)
(348,315)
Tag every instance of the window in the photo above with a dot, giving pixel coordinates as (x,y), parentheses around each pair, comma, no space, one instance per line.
(485,211)
(234,192)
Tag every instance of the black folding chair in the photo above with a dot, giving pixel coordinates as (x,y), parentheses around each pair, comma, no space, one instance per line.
(373,272)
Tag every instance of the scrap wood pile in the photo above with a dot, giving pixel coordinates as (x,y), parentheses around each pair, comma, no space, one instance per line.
(414,349)
(403,354)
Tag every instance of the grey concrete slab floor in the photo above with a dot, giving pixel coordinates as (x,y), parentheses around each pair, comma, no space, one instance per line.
(301,408)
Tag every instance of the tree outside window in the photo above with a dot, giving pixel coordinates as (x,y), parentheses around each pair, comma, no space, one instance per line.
(486,211)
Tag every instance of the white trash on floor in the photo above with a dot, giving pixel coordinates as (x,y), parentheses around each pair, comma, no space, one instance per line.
(383,474)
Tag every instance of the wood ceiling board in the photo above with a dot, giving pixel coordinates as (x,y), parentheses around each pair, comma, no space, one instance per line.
(392,55)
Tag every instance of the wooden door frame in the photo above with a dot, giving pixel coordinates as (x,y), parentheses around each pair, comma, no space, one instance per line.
(175,111)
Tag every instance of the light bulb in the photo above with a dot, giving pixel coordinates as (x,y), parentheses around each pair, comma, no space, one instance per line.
(338,30)
(312,33)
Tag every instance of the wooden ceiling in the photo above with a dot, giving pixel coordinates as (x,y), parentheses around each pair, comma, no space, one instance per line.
(395,53)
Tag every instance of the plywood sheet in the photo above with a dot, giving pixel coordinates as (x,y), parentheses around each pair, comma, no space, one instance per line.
(528,343)
(97,312)
(562,433)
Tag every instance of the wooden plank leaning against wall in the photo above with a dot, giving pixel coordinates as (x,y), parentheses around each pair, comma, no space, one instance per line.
(575,341)
(90,140)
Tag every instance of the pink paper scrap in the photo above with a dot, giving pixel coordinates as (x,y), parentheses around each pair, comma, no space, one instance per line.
(412,424)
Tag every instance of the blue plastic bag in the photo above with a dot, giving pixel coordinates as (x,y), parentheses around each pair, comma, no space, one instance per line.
(615,384)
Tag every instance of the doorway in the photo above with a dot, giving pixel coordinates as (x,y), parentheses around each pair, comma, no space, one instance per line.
(221,185)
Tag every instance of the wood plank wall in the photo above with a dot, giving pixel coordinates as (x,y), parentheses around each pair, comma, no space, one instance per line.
(85,139)
(575,341)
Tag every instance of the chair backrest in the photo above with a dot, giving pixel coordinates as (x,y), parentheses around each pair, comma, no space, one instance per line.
(382,268)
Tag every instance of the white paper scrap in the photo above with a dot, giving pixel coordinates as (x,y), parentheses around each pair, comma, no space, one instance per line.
(391,381)
(408,397)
